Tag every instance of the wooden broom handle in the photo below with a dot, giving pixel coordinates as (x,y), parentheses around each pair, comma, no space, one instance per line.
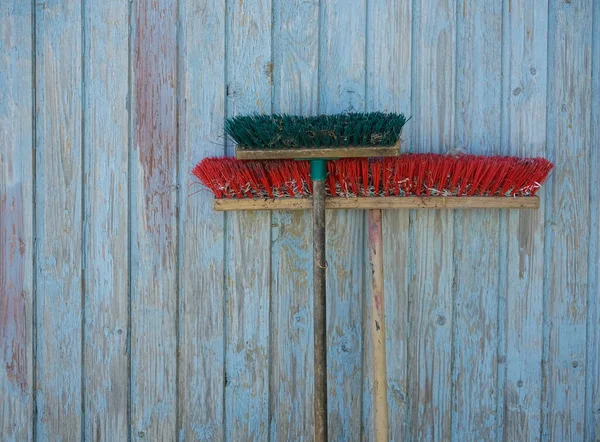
(378,325)
(320,312)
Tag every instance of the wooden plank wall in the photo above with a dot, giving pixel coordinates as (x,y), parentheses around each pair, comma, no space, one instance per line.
(129,310)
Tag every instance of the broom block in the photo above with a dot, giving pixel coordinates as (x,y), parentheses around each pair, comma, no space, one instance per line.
(316,153)
(388,202)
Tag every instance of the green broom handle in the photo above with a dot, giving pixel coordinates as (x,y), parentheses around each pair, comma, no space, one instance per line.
(318,171)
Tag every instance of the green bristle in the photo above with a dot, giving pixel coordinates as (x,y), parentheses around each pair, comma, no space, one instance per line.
(281,131)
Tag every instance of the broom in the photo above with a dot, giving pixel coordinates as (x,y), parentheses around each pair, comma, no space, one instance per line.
(409,181)
(318,138)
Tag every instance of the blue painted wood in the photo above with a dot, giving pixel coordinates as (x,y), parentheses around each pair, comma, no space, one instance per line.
(525,40)
(221,305)
(105,137)
(295,90)
(432,232)
(201,380)
(342,76)
(592,389)
(248,235)
(153,220)
(59,220)
(476,254)
(388,87)
(567,220)
(16,221)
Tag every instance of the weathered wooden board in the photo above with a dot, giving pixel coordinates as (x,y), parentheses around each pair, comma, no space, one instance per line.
(105,138)
(567,218)
(248,235)
(106,281)
(58,221)
(16,221)
(432,233)
(153,212)
(525,42)
(295,81)
(476,247)
(342,81)
(592,406)
(201,380)
(388,87)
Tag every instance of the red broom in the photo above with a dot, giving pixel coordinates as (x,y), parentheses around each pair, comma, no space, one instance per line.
(421,175)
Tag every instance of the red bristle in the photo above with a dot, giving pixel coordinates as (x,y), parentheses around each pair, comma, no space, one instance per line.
(388,175)
(364,169)
(512,175)
(376,167)
(480,168)
(431,172)
(409,174)
(442,180)
(331,177)
(487,177)
(469,169)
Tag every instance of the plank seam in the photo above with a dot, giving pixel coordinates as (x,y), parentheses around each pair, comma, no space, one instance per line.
(591,327)
(84,227)
(548,234)
(178,220)
(227,7)
(34,315)
(130,99)
(503,217)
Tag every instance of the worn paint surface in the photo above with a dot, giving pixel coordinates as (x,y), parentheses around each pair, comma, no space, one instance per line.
(16,228)
(142,313)
(295,82)
(201,322)
(59,221)
(153,220)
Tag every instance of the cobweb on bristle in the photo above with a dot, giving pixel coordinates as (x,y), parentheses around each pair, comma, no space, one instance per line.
(405,175)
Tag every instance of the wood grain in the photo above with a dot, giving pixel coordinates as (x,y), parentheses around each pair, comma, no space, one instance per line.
(295,80)
(388,87)
(567,218)
(342,77)
(153,208)
(105,139)
(526,42)
(406,202)
(59,220)
(201,327)
(476,281)
(592,407)
(16,221)
(248,235)
(432,232)
(327,153)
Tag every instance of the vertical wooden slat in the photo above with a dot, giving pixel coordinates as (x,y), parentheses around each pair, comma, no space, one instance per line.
(476,274)
(526,42)
(431,303)
(592,430)
(569,144)
(106,206)
(295,82)
(201,347)
(388,52)
(248,235)
(59,219)
(342,87)
(153,183)
(16,224)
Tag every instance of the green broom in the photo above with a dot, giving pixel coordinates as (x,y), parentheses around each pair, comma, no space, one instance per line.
(318,138)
